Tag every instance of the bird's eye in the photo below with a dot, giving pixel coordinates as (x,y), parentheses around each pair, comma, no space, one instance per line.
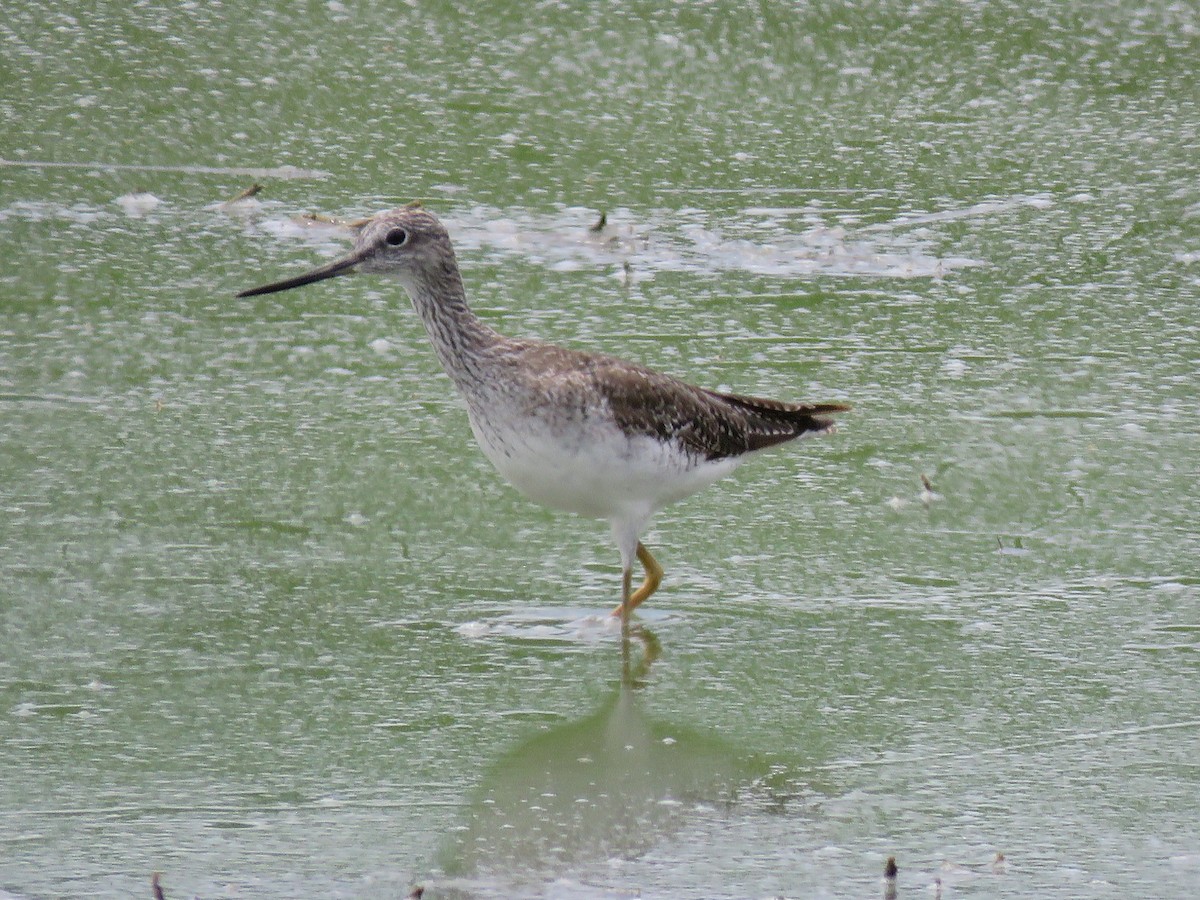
(396,237)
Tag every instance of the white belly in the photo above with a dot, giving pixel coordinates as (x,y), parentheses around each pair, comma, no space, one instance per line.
(594,469)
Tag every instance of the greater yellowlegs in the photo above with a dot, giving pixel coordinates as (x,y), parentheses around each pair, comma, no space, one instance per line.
(572,430)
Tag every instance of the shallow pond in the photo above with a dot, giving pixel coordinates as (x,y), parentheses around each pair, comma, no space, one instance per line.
(271,625)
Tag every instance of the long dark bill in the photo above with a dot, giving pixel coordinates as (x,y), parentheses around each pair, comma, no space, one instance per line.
(341,266)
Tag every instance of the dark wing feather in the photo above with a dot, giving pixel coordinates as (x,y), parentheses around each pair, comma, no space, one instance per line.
(706,423)
(768,422)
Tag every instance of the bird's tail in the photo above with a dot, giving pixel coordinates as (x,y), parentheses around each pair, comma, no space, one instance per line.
(776,421)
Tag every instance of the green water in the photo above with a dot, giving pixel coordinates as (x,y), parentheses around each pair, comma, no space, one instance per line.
(270,624)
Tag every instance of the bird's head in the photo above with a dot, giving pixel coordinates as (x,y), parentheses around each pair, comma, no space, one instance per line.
(407,242)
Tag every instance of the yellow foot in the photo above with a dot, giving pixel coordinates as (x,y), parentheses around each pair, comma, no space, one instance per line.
(654,576)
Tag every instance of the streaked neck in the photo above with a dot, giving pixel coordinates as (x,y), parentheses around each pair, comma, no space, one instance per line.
(459,337)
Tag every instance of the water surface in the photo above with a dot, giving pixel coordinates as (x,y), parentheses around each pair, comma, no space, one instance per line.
(270,624)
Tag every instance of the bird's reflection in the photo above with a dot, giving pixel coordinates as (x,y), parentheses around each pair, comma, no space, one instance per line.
(607,786)
(639,649)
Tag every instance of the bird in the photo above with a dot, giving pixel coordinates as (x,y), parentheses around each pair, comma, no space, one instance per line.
(572,430)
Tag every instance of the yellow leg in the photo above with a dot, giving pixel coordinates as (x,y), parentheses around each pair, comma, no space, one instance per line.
(654,576)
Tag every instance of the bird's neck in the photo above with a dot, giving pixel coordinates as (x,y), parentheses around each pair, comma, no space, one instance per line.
(459,337)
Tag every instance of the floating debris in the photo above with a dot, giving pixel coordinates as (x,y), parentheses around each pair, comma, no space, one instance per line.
(889,879)
(928,494)
(573,238)
(955,871)
(322,219)
(1017,549)
(249,192)
(156,886)
(138,204)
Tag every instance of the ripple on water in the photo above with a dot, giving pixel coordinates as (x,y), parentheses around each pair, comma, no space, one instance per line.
(569,625)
